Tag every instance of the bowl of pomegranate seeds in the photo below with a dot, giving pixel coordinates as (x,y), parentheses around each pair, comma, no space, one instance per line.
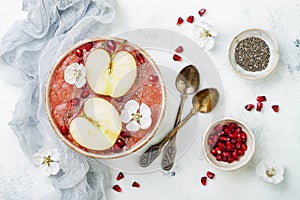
(228,144)
(105,97)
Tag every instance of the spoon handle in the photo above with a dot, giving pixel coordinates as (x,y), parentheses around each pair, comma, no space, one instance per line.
(170,150)
(153,151)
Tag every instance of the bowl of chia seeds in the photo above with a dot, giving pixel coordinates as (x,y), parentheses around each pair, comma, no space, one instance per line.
(253,53)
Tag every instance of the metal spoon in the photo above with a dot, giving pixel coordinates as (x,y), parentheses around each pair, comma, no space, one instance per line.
(204,101)
(187,82)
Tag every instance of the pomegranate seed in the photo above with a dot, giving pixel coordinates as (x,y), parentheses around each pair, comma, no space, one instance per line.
(261,98)
(227,131)
(88,46)
(215,138)
(125,134)
(219,157)
(238,130)
(235,155)
(121,143)
(204,180)
(259,106)
(210,174)
(214,152)
(211,142)
(153,78)
(244,147)
(232,126)
(231,160)
(116,148)
(74,102)
(241,152)
(120,176)
(275,108)
(79,53)
(81,62)
(190,19)
(179,21)
(111,45)
(136,184)
(226,154)
(179,49)
(202,12)
(119,99)
(238,145)
(221,146)
(223,138)
(117,188)
(177,57)
(249,107)
(140,58)
(64,130)
(218,127)
(85,94)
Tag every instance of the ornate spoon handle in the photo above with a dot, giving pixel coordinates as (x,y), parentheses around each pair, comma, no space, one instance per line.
(170,150)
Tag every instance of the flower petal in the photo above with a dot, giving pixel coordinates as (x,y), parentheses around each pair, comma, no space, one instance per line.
(133,126)
(54,168)
(132,106)
(45,170)
(145,111)
(54,154)
(125,116)
(37,159)
(80,82)
(209,43)
(145,122)
(202,42)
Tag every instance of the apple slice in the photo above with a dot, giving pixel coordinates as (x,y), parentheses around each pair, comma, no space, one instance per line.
(101,126)
(110,77)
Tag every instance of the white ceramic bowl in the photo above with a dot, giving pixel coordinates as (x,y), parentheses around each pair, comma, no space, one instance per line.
(274,53)
(243,160)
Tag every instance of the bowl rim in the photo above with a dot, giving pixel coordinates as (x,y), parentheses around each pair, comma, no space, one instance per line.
(276,58)
(249,133)
(74,147)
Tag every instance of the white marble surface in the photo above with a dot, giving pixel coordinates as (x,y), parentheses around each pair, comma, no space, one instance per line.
(277,134)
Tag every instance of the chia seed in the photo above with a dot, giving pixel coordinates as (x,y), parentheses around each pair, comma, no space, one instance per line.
(252,54)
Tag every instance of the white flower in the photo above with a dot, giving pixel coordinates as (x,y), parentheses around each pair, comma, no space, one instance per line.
(270,172)
(75,74)
(138,117)
(46,161)
(204,33)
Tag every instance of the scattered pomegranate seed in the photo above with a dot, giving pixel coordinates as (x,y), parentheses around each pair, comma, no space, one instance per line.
(249,107)
(179,21)
(202,12)
(120,176)
(210,174)
(204,180)
(64,130)
(117,188)
(153,78)
(74,102)
(121,143)
(259,106)
(140,58)
(190,19)
(85,94)
(78,52)
(111,45)
(275,108)
(261,98)
(136,184)
(88,46)
(179,49)
(125,134)
(177,58)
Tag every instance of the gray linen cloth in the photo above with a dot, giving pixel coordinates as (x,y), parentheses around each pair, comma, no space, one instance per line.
(27,52)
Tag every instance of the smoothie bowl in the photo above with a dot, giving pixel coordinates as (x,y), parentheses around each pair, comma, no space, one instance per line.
(105,97)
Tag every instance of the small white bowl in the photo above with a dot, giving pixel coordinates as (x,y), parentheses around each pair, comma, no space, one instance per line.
(225,166)
(274,53)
